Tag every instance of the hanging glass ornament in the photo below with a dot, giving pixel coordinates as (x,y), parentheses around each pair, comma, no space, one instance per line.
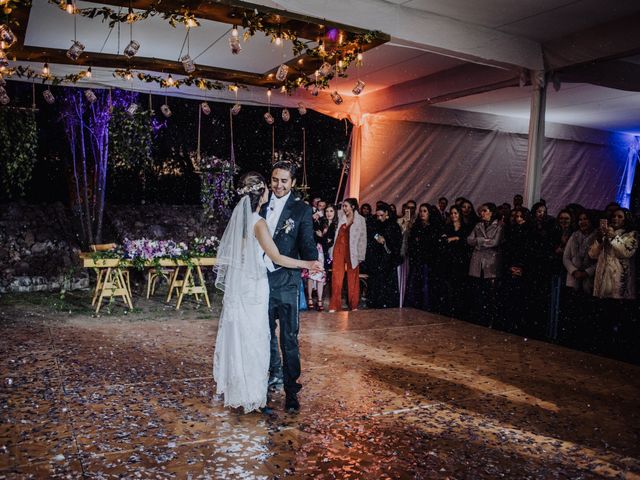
(166,111)
(206,109)
(302,110)
(325,69)
(7,37)
(234,44)
(357,90)
(286,115)
(281,74)
(315,91)
(188,64)
(131,49)
(48,96)
(269,118)
(236,109)
(336,97)
(90,96)
(75,50)
(132,109)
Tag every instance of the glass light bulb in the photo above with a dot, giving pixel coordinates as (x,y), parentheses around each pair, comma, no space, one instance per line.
(234,32)
(278,41)
(45,69)
(88,74)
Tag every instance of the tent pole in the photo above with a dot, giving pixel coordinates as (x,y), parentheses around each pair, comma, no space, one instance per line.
(535,152)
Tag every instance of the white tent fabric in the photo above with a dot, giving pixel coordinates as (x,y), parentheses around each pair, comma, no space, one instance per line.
(445,154)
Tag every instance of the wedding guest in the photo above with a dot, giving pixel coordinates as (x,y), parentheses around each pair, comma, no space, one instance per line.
(518,201)
(580,267)
(615,250)
(422,251)
(329,234)
(456,254)
(543,240)
(350,246)
(442,208)
(383,280)
(393,212)
(517,272)
(469,217)
(365,210)
(486,261)
(405,223)
(315,281)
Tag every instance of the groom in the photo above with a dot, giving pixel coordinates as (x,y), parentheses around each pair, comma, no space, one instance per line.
(290,223)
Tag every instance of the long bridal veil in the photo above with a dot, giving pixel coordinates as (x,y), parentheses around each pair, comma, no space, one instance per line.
(238,258)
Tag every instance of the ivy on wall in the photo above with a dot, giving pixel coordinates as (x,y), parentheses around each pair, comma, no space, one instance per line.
(18,147)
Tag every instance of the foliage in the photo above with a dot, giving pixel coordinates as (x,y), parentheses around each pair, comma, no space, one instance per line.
(217,193)
(130,139)
(18,146)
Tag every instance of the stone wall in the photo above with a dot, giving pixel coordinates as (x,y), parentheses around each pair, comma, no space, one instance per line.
(39,247)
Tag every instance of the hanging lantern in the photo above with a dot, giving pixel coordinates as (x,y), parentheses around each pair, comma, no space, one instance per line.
(281,74)
(325,69)
(131,49)
(132,109)
(75,50)
(286,115)
(357,90)
(337,99)
(188,64)
(206,109)
(166,111)
(4,61)
(7,37)
(235,110)
(90,96)
(48,96)
(302,110)
(269,118)
(234,44)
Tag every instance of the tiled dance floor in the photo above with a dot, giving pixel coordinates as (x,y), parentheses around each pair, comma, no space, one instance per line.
(387,394)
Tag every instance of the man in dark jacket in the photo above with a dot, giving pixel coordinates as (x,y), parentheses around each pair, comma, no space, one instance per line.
(290,222)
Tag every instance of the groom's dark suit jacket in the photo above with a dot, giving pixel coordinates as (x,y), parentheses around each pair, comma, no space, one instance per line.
(295,240)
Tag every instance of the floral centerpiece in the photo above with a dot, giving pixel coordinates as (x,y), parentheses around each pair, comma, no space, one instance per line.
(144,250)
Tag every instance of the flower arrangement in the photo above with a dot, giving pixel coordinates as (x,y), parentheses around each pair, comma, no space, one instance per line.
(141,251)
(205,246)
(216,191)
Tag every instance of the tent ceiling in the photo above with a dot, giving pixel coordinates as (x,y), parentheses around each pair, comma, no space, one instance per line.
(441,51)
(539,20)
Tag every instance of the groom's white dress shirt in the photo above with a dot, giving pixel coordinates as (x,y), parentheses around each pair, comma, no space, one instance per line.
(274,210)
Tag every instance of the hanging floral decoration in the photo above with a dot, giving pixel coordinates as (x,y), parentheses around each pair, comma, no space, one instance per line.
(216,192)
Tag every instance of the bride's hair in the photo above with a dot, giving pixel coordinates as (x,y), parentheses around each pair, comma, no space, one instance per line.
(254,185)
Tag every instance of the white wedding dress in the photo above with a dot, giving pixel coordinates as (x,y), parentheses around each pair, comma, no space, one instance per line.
(241,357)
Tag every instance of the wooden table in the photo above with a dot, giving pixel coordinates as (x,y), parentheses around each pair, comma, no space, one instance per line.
(111,282)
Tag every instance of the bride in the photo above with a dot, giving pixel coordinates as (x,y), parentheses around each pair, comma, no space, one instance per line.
(241,357)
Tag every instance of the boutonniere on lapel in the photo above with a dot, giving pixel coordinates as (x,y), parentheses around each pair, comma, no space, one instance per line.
(288,225)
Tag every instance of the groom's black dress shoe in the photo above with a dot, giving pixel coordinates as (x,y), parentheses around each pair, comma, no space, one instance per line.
(291,403)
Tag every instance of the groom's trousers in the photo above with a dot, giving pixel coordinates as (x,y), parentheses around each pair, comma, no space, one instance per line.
(284,291)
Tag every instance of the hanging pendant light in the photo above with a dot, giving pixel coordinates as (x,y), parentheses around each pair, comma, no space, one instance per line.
(48,96)
(75,50)
(90,96)
(286,115)
(206,109)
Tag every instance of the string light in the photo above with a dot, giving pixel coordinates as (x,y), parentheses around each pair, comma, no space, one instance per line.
(45,69)
(234,32)
(278,41)
(190,22)
(88,73)
(170,81)
(71,10)
(269,93)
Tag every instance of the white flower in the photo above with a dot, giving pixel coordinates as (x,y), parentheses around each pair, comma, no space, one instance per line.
(288,225)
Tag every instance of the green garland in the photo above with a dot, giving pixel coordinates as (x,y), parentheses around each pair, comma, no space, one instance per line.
(18,148)
(252,20)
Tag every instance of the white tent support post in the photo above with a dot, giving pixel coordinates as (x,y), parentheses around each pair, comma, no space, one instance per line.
(356,160)
(535,152)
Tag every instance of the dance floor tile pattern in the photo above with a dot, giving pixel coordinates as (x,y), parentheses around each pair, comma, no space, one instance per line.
(387,394)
